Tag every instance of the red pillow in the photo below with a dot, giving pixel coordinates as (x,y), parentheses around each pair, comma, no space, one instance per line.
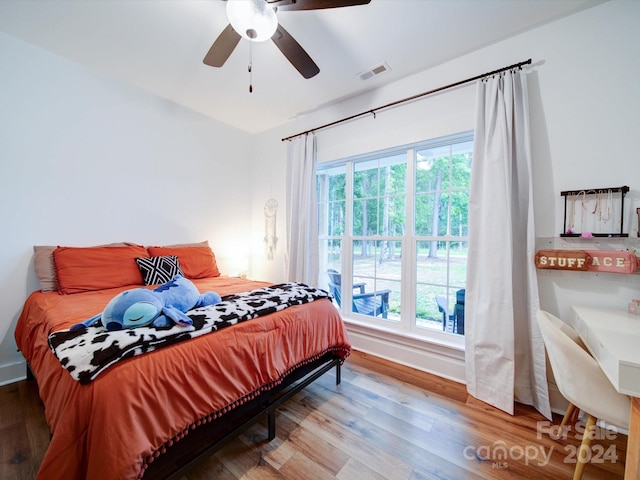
(195,262)
(86,269)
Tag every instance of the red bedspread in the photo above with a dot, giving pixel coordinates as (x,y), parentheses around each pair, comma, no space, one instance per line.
(109,428)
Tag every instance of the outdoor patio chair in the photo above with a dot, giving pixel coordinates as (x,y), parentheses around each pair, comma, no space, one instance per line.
(458,311)
(441,300)
(366,303)
(457,317)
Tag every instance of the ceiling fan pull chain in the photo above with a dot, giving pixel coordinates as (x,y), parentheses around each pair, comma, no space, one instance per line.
(250,67)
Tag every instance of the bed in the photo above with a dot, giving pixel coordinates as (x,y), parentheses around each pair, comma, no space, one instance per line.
(149,415)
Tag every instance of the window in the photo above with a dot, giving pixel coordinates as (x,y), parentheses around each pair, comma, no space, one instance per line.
(393,234)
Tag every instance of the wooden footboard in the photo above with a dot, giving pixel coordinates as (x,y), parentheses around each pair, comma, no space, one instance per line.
(209,437)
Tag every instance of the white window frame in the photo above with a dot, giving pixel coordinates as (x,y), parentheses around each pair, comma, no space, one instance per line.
(407,326)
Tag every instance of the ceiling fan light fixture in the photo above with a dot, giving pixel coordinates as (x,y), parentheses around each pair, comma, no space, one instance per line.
(254,20)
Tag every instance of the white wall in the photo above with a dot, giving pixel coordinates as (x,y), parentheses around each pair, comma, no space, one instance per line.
(85,160)
(584,105)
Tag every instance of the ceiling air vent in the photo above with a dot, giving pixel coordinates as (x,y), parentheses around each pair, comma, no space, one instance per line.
(373,71)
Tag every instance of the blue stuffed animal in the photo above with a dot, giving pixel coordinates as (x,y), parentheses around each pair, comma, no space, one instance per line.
(160,307)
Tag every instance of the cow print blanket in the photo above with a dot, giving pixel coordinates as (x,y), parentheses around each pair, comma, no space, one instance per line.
(87,353)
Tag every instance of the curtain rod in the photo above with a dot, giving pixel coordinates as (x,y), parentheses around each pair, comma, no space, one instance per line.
(408,99)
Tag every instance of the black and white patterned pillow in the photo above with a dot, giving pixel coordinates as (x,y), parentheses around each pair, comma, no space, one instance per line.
(157,270)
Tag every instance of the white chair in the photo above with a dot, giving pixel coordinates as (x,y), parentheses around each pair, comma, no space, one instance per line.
(572,413)
(582,382)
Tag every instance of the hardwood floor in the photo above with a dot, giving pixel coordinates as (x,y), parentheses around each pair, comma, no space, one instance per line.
(384,421)
(24,434)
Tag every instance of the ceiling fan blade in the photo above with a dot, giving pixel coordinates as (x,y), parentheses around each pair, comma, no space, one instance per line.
(294,53)
(314,4)
(222,47)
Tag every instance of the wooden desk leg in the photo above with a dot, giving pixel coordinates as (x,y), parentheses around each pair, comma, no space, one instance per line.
(632,464)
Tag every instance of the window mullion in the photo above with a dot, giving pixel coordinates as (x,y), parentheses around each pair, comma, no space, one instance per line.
(409,261)
(347,241)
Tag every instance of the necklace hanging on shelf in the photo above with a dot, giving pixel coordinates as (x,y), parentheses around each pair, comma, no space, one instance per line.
(569,227)
(600,193)
(597,211)
(605,215)
(583,208)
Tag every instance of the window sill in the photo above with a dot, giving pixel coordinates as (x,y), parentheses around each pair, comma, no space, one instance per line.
(440,354)
(435,337)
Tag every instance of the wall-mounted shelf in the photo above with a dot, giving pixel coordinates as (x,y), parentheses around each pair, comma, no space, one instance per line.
(594,212)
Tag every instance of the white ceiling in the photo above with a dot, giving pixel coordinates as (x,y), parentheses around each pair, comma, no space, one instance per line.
(158,46)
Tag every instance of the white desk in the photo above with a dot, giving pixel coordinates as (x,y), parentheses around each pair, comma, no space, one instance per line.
(613,338)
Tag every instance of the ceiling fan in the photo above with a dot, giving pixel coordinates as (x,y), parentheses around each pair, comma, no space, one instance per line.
(256,21)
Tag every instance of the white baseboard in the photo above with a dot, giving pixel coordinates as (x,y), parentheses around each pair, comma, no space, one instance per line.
(441,360)
(13,372)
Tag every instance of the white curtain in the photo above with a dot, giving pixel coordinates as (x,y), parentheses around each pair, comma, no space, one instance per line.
(505,359)
(301,257)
